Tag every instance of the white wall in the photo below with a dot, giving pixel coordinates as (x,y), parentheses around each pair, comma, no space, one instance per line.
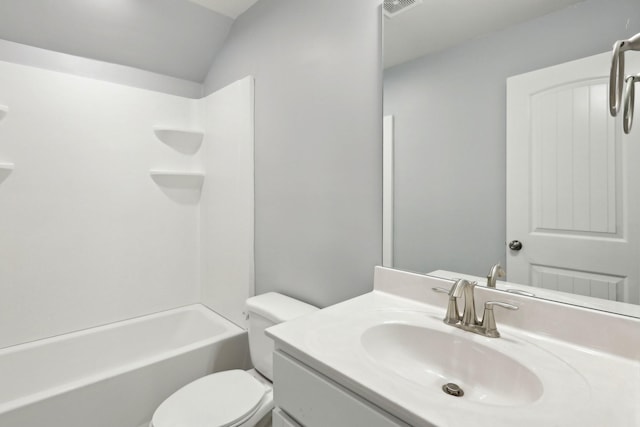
(86,236)
(227,204)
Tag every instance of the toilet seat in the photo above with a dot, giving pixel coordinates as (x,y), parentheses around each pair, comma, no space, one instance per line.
(222,399)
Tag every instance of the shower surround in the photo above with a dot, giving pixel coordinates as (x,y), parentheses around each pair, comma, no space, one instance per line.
(89,237)
(117,203)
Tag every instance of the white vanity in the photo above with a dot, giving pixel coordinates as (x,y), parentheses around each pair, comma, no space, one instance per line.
(386,358)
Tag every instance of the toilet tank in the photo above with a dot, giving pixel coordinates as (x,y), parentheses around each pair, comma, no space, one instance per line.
(264,311)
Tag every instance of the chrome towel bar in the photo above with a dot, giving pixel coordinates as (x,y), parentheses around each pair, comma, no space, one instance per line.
(617,82)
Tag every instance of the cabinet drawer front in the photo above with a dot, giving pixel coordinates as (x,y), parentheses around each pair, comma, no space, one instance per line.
(315,401)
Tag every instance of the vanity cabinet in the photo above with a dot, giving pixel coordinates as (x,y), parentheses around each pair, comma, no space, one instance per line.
(313,400)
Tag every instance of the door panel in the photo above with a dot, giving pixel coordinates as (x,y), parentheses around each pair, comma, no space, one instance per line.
(579,282)
(573,186)
(573,169)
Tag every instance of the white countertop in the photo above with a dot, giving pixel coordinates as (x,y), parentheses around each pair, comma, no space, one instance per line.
(585,385)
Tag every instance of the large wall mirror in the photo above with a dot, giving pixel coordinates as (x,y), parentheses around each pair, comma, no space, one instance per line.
(498,114)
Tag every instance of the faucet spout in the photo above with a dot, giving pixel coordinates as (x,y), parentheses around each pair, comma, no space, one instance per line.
(495,272)
(463,288)
(469,317)
(457,290)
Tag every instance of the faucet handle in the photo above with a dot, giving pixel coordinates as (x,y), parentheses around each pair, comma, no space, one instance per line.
(520,292)
(490,304)
(489,319)
(453,316)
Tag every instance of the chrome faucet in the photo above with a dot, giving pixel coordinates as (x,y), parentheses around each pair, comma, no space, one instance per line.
(461,288)
(464,287)
(495,272)
(457,291)
(468,321)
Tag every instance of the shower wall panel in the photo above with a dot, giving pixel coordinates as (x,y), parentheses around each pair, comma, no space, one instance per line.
(86,236)
(227,205)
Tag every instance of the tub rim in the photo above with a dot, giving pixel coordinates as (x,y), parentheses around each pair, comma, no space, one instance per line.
(231,330)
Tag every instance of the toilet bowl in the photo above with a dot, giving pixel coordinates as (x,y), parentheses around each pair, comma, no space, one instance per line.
(224,399)
(235,398)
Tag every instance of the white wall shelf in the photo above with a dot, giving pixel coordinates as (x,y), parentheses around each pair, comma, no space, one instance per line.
(4,110)
(5,170)
(183,187)
(184,141)
(177,179)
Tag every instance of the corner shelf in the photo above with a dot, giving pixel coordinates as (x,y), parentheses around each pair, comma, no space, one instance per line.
(184,141)
(4,110)
(5,170)
(180,186)
(177,179)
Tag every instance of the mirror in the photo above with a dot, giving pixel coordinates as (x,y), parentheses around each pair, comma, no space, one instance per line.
(445,93)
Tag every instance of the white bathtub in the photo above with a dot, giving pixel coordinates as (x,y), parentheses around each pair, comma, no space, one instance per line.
(115,375)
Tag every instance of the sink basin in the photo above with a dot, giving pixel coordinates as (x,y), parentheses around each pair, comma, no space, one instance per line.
(432,358)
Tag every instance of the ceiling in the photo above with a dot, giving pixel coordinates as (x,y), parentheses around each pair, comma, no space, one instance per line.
(177,38)
(180,38)
(436,25)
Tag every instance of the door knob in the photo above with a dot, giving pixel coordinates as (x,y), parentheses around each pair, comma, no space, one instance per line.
(515,245)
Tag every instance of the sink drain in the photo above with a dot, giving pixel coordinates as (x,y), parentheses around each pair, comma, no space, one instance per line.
(453,389)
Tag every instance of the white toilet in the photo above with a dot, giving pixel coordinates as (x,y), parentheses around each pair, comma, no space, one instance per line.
(235,398)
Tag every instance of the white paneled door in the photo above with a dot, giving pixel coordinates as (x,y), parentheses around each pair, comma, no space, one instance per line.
(573,183)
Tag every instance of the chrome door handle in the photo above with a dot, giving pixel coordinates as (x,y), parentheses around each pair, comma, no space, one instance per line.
(515,245)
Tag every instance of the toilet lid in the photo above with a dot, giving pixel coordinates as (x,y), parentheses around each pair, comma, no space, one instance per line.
(221,399)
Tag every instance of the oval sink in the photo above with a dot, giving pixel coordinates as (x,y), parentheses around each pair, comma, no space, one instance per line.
(432,358)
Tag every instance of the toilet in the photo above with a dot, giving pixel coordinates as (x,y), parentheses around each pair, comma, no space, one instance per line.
(235,398)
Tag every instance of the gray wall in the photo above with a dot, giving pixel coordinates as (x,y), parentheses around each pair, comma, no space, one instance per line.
(318,151)
(172,37)
(85,67)
(450,111)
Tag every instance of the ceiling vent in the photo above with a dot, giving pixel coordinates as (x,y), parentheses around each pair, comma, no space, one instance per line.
(394,7)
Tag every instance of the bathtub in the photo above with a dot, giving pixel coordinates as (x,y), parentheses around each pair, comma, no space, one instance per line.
(115,375)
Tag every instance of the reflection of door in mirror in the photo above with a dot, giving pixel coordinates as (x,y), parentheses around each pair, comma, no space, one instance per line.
(570,171)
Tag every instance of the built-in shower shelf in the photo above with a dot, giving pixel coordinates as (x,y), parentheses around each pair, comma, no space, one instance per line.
(5,170)
(177,179)
(184,141)
(4,110)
